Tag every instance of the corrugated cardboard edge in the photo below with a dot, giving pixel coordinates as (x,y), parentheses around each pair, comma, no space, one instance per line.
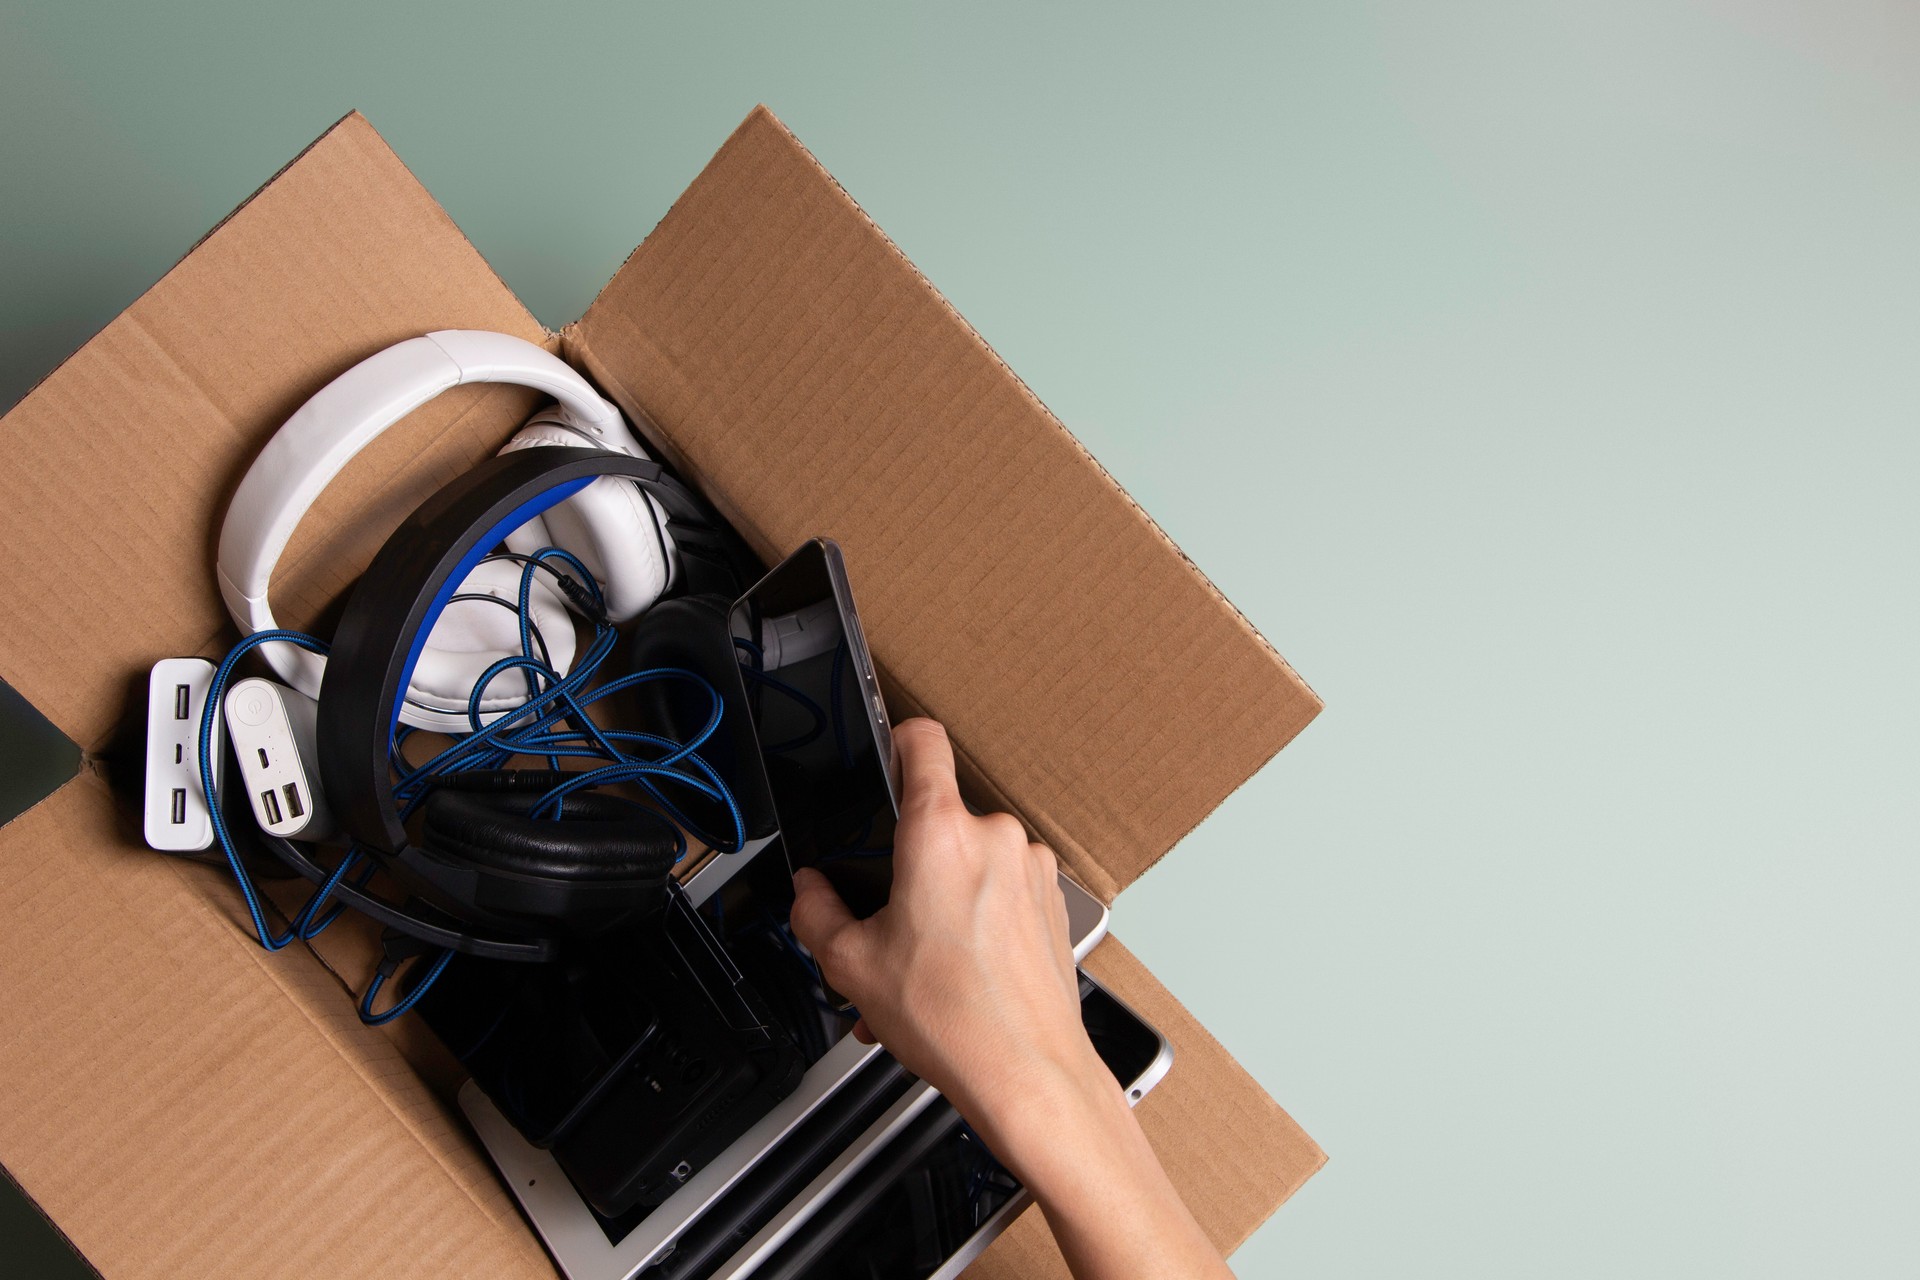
(656,330)
(46,1219)
(344,1045)
(89,846)
(158,415)
(578,349)
(1232,1185)
(351,117)
(762,114)
(198,1053)
(1268,1156)
(205,236)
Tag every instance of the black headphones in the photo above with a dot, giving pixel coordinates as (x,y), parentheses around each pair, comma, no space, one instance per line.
(481,857)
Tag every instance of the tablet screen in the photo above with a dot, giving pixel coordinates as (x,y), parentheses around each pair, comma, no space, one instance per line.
(821,723)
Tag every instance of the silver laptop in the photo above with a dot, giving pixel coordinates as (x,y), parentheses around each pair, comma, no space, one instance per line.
(588,1249)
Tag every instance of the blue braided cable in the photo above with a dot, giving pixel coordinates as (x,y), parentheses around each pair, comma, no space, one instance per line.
(643,773)
(756,674)
(534,728)
(717,710)
(578,565)
(492,739)
(726,798)
(526,641)
(463,752)
(305,926)
(372,1019)
(215,693)
(494,744)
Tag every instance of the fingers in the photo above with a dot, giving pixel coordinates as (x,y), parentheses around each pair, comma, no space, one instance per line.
(823,924)
(863,1033)
(926,768)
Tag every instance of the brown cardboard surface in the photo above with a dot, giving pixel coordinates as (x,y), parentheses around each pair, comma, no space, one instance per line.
(115,471)
(788,355)
(1229,1148)
(182,1102)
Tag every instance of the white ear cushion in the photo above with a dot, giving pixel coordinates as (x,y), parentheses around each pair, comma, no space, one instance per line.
(617,530)
(620,535)
(551,429)
(472,635)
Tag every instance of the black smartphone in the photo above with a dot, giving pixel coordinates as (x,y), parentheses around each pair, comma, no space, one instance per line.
(821,723)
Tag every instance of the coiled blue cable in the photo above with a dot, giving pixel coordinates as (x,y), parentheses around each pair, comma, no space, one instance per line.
(406,1002)
(215,692)
(529,729)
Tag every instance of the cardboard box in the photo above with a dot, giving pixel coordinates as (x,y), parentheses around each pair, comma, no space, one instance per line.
(181,1102)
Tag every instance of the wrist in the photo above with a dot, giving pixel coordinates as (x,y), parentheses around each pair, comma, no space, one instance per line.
(1054,1113)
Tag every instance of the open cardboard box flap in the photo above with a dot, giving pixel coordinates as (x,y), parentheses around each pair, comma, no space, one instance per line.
(178,1100)
(786,353)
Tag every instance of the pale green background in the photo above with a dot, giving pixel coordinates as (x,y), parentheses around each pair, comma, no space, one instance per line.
(1540,378)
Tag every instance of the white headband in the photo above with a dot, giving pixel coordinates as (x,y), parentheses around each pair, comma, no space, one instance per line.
(343,418)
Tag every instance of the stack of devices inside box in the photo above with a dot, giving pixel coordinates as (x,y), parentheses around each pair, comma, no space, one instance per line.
(565,745)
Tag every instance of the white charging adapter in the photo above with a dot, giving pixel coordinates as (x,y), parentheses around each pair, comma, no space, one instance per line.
(176,819)
(272,727)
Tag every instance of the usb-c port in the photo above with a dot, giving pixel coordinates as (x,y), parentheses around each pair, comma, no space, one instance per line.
(272,803)
(294,806)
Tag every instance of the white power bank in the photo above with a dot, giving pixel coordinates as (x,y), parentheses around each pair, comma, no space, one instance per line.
(272,727)
(176,818)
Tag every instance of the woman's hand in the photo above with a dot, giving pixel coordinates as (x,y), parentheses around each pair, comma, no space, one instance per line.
(967,977)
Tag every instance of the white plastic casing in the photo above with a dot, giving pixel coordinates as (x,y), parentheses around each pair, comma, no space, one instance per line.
(632,557)
(272,728)
(176,817)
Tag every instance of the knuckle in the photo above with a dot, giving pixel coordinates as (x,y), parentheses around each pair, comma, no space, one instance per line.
(835,952)
(1004,826)
(939,805)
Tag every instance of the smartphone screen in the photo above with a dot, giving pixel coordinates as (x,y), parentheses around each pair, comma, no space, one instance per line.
(822,726)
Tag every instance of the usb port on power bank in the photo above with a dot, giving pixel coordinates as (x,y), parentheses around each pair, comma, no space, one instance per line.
(174,815)
(273,730)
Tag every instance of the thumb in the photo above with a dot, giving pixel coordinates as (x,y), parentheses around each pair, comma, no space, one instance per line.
(822,923)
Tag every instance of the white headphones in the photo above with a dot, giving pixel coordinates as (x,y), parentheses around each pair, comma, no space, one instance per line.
(617,531)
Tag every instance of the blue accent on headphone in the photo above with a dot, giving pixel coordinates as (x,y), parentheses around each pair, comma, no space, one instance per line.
(479,551)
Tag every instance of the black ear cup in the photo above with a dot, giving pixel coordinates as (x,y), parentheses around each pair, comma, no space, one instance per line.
(597,838)
(483,860)
(693,633)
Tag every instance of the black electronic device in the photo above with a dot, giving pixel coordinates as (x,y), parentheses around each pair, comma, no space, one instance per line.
(634,1058)
(825,741)
(916,1209)
(801,1156)
(486,869)
(722,1062)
